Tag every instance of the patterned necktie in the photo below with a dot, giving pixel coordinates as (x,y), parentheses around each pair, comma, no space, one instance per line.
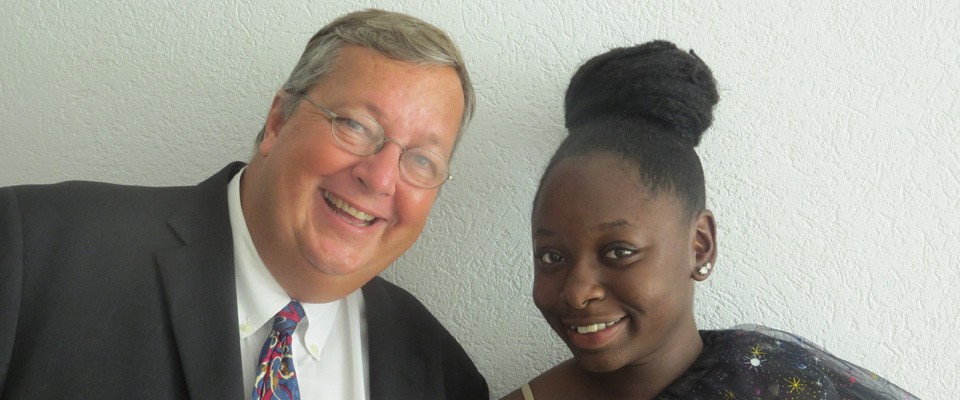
(276,378)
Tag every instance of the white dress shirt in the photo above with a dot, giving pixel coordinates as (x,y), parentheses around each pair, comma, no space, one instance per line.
(330,342)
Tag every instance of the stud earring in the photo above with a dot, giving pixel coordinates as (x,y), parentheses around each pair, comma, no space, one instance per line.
(705,269)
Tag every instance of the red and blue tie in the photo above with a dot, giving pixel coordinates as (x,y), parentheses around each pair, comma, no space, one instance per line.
(276,378)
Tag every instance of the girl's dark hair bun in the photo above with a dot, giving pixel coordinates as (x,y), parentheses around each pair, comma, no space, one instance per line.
(651,84)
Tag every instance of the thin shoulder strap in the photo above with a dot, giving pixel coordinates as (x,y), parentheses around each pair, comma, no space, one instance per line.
(527,393)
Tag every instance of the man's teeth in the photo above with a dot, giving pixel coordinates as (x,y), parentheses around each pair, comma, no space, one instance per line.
(347,208)
(594,328)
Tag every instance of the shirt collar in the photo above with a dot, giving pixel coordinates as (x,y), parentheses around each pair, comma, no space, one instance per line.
(259,296)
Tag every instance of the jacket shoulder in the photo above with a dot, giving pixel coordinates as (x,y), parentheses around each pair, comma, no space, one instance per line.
(406,339)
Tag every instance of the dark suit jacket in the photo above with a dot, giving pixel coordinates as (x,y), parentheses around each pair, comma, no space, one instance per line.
(120,292)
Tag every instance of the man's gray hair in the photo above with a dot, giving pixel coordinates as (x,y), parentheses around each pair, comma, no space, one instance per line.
(395,35)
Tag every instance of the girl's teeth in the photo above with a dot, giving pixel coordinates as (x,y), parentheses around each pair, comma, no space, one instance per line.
(593,328)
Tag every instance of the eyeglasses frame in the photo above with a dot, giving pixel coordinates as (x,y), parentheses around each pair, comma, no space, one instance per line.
(332,116)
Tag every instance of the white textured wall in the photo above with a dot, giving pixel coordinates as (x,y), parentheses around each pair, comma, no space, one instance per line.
(832,166)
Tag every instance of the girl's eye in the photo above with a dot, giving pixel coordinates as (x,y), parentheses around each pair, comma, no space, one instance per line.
(549,257)
(618,253)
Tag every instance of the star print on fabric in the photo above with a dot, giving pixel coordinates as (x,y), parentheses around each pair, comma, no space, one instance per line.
(754,363)
(754,360)
(795,385)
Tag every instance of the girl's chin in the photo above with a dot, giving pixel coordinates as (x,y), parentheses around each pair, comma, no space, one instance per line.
(597,364)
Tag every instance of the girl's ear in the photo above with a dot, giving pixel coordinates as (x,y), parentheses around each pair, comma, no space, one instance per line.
(704,245)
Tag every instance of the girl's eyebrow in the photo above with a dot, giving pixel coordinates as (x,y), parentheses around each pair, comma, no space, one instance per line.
(603,226)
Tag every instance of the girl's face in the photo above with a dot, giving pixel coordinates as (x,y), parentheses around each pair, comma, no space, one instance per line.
(614,265)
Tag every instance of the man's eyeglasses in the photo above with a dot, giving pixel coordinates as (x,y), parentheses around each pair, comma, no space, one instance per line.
(362,135)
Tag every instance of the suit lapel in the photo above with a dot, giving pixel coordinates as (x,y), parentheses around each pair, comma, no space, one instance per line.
(198,281)
(396,371)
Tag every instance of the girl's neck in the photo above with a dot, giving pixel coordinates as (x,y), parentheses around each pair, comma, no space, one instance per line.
(650,377)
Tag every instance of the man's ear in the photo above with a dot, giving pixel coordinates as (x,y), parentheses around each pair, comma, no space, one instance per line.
(275,121)
(704,245)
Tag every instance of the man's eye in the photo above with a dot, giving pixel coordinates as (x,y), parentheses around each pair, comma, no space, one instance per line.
(419,166)
(352,126)
(619,253)
(422,162)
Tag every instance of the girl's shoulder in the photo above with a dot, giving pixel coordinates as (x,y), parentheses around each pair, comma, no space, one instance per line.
(759,361)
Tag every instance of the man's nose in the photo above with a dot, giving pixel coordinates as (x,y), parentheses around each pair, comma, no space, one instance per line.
(380,171)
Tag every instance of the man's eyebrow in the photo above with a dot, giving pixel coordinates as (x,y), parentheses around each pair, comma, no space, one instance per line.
(432,139)
(375,111)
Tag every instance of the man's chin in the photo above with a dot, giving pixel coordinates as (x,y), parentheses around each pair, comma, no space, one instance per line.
(334,268)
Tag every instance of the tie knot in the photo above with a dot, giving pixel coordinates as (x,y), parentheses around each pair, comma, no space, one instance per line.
(288,318)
